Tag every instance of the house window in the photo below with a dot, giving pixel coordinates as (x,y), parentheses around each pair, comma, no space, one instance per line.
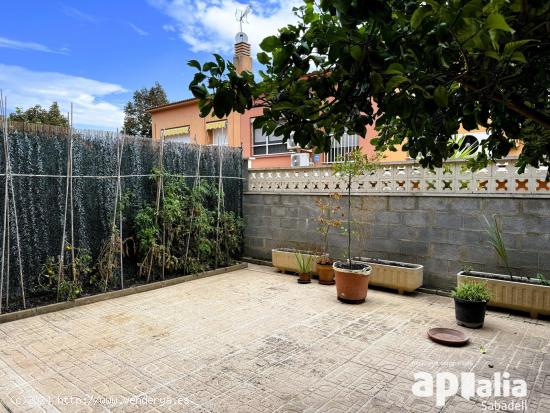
(217,133)
(179,134)
(338,150)
(267,144)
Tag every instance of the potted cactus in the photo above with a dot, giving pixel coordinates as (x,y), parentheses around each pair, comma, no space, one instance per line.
(352,277)
(471,300)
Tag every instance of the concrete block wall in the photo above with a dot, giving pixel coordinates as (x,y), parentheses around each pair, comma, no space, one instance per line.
(445,234)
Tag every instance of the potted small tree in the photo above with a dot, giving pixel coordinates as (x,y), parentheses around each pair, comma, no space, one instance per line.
(352,277)
(329,218)
(305,263)
(470,304)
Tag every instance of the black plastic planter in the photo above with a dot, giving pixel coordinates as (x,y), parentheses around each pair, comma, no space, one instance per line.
(470,314)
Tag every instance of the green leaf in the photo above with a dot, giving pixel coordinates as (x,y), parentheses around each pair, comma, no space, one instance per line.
(394,69)
(194,63)
(356,52)
(454,87)
(519,57)
(395,81)
(377,81)
(440,96)
(473,8)
(498,22)
(263,58)
(270,43)
(511,47)
(221,62)
(492,54)
(419,15)
(208,66)
(199,77)
(199,91)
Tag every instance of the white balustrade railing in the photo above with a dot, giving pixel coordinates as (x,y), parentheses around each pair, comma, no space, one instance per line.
(454,177)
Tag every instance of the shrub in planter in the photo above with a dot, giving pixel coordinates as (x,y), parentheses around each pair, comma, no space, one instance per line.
(470,304)
(329,218)
(305,263)
(530,294)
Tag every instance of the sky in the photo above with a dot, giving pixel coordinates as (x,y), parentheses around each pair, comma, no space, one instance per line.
(96,53)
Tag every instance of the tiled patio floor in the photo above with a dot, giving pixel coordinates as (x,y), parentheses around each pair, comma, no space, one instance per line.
(252,341)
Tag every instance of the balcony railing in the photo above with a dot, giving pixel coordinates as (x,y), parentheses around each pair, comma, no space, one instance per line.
(454,178)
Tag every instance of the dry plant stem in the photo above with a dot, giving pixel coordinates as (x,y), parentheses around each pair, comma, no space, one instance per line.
(60,274)
(220,188)
(118,198)
(71,198)
(161,195)
(195,183)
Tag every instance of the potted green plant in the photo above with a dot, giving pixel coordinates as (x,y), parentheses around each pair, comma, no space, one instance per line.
(515,292)
(305,263)
(471,300)
(328,219)
(352,277)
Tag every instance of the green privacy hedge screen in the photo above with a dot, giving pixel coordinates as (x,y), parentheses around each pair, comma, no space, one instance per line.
(38,157)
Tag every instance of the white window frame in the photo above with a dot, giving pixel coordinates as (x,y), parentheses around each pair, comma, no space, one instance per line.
(216,138)
(265,145)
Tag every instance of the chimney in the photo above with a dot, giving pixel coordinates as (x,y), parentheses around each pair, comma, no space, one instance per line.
(242,59)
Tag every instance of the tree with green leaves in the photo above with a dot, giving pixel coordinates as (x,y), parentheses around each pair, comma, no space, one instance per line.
(37,114)
(350,167)
(416,69)
(137,121)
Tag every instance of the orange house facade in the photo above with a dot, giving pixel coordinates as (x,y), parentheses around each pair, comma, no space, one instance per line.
(181,121)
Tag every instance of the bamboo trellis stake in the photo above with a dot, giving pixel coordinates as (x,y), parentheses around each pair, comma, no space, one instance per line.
(118,201)
(220,196)
(195,183)
(63,236)
(6,231)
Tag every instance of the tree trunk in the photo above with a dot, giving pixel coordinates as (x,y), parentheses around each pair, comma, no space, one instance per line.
(349,221)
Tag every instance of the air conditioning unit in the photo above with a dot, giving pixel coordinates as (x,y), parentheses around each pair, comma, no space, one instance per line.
(299,160)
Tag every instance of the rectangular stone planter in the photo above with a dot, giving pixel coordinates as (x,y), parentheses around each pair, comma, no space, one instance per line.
(284,259)
(400,276)
(514,295)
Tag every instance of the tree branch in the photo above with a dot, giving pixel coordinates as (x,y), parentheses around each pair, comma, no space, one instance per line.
(528,112)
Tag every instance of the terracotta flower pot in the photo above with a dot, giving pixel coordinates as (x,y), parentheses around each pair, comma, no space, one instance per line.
(352,284)
(304,278)
(326,274)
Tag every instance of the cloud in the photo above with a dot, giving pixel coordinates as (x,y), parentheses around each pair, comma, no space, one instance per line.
(138,30)
(25,88)
(37,47)
(210,25)
(78,14)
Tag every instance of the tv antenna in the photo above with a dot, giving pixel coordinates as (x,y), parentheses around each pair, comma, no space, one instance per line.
(242,16)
